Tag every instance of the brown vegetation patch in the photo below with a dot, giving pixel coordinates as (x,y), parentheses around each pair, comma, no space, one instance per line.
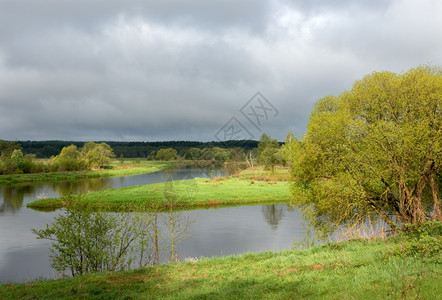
(318,267)
(214,202)
(291,270)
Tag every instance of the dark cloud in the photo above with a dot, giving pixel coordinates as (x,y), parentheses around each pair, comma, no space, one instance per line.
(92,15)
(145,70)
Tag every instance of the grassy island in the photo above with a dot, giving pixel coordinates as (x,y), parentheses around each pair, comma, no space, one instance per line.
(250,186)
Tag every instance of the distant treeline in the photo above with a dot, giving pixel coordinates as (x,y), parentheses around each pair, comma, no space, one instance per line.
(46,149)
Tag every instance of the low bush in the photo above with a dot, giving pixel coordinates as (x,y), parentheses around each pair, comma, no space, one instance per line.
(423,240)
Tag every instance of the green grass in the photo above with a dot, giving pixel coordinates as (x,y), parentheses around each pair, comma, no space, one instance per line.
(191,193)
(357,269)
(117,169)
(258,173)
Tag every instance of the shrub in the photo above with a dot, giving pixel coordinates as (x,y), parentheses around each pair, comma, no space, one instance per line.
(423,240)
(90,241)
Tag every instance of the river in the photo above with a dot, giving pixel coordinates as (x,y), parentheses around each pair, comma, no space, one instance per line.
(214,232)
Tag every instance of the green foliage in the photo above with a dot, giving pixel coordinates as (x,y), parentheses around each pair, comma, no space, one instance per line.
(68,159)
(6,148)
(430,228)
(92,155)
(91,241)
(18,159)
(269,152)
(291,148)
(373,150)
(30,165)
(263,142)
(18,164)
(97,155)
(121,158)
(166,154)
(46,149)
(11,158)
(193,154)
(421,240)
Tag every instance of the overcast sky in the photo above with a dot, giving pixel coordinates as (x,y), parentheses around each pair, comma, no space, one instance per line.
(181,70)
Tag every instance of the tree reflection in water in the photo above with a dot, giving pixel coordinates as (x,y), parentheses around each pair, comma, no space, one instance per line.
(13,197)
(175,193)
(81,186)
(273,214)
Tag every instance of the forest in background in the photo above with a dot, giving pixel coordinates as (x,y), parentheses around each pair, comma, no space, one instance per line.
(46,149)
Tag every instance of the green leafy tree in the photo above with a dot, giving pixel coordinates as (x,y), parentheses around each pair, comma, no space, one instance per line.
(269,152)
(69,159)
(166,154)
(237,154)
(97,155)
(6,148)
(263,142)
(291,148)
(89,241)
(375,150)
(219,154)
(193,154)
(18,159)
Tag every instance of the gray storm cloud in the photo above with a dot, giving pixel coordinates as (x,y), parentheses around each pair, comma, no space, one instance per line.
(179,70)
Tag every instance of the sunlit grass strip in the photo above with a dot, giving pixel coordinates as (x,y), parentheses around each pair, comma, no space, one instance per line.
(186,194)
(118,170)
(259,173)
(358,269)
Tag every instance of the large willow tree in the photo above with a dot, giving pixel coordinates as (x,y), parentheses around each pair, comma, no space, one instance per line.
(375,150)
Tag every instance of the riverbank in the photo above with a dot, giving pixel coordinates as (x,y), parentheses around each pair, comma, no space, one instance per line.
(356,269)
(130,167)
(182,194)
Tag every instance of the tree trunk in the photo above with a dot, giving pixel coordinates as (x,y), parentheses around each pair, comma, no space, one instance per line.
(436,214)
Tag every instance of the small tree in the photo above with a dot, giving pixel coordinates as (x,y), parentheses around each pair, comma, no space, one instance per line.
(90,241)
(121,159)
(18,159)
(263,142)
(175,193)
(268,152)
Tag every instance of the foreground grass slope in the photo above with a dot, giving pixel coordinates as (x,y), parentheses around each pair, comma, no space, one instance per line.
(357,269)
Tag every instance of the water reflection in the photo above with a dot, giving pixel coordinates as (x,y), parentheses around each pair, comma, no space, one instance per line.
(273,214)
(12,197)
(82,186)
(209,232)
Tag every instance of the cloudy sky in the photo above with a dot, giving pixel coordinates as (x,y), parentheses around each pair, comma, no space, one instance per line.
(181,70)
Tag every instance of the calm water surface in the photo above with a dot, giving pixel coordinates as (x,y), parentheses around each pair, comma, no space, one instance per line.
(214,232)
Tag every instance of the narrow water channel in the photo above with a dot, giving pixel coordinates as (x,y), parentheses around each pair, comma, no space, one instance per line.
(214,232)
